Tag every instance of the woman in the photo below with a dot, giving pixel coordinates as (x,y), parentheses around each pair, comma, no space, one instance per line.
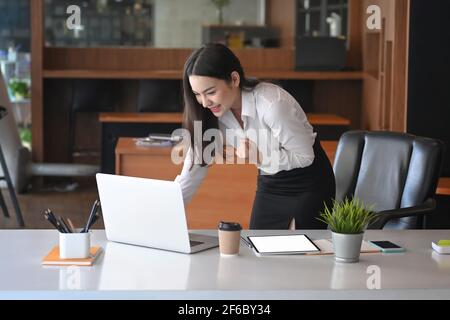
(295,176)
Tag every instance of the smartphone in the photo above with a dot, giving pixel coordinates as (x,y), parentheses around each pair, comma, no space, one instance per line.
(387,246)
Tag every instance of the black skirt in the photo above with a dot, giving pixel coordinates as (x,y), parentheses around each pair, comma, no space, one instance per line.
(299,193)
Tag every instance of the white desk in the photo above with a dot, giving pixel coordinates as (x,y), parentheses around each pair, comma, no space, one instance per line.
(129,272)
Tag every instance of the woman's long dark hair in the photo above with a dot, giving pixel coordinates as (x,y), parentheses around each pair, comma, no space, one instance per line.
(215,61)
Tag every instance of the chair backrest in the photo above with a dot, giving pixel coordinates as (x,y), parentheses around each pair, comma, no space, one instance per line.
(94,95)
(388,170)
(160,96)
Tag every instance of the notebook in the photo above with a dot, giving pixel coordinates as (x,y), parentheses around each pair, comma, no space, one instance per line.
(52,258)
(326,247)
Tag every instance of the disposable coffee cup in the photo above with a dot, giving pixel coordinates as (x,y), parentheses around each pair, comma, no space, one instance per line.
(74,245)
(229,238)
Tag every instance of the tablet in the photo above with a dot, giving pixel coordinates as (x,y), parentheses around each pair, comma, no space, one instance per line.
(283,244)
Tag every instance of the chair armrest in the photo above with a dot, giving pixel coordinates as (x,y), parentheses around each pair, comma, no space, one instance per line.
(384,216)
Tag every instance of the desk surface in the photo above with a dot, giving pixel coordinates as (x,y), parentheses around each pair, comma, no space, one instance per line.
(129,272)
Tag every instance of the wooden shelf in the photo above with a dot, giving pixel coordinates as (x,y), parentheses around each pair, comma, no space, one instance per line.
(323,119)
(307,75)
(177,74)
(145,117)
(111,74)
(177,117)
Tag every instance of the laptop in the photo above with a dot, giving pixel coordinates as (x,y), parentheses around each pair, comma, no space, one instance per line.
(149,213)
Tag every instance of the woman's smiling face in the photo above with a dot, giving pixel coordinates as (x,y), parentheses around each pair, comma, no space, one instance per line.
(216,94)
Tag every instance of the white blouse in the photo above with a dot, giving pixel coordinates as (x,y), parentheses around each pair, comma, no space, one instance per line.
(275,122)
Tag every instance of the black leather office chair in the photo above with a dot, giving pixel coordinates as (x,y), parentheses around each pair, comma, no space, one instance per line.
(397,173)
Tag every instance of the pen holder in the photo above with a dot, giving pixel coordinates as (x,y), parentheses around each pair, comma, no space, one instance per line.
(74,245)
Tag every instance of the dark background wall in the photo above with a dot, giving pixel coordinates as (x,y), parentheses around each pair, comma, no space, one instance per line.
(429,85)
(429,72)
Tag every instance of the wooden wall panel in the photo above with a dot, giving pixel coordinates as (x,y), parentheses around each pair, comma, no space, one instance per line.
(37,107)
(355,16)
(380,111)
(342,98)
(114,58)
(139,59)
(281,15)
(388,113)
(400,70)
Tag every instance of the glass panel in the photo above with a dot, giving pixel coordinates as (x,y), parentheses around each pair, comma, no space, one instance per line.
(15,61)
(155,23)
(309,4)
(322,18)
(15,46)
(15,25)
(336,23)
(101,23)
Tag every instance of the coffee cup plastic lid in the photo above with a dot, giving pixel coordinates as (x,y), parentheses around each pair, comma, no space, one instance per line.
(229,226)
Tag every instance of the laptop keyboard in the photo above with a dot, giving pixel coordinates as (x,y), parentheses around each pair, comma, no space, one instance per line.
(194,243)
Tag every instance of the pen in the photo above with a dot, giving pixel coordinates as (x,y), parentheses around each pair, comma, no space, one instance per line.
(54,220)
(63,224)
(71,224)
(50,219)
(61,227)
(94,220)
(66,225)
(59,221)
(91,215)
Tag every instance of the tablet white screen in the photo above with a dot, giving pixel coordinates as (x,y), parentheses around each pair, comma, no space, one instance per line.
(283,244)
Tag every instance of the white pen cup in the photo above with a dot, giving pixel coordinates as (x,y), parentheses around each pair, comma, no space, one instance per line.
(74,245)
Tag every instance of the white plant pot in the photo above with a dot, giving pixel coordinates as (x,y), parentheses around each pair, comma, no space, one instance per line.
(347,247)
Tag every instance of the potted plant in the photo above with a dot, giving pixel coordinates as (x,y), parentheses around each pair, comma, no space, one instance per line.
(347,220)
(19,89)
